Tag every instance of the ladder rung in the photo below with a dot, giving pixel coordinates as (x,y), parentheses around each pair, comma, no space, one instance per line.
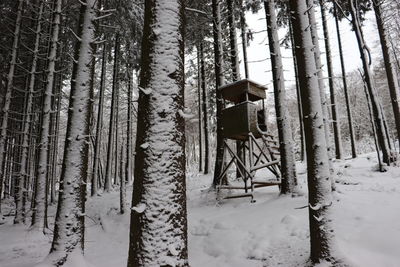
(239,196)
(265,184)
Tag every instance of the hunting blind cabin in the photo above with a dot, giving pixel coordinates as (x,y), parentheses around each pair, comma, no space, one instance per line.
(244,122)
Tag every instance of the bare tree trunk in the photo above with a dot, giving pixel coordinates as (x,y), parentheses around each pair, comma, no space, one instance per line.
(219,81)
(205,111)
(298,95)
(39,219)
(288,164)
(319,176)
(70,218)
(365,55)
(122,182)
(9,89)
(345,89)
(20,181)
(335,118)
(199,79)
(99,125)
(244,40)
(128,164)
(391,74)
(111,131)
(159,184)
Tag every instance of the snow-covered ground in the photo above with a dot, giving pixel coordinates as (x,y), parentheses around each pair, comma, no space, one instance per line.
(273,231)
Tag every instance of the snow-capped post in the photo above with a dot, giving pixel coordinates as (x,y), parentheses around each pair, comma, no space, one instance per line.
(334,108)
(392,79)
(21,179)
(158,232)
(219,81)
(368,76)
(345,89)
(9,89)
(288,163)
(39,219)
(319,176)
(70,220)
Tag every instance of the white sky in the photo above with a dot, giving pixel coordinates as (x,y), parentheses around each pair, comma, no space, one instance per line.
(258,49)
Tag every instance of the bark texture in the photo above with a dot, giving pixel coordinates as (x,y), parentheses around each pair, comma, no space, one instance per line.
(319,180)
(70,218)
(288,164)
(158,233)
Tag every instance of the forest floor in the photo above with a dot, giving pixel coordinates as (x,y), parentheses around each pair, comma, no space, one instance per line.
(273,231)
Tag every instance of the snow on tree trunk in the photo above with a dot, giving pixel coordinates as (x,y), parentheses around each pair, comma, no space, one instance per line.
(219,81)
(23,175)
(7,97)
(158,233)
(345,89)
(99,125)
(70,217)
(128,163)
(288,164)
(366,61)
(334,109)
(39,219)
(319,176)
(391,73)
(321,83)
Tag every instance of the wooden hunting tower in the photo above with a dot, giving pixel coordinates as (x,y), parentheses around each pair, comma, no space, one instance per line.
(245,123)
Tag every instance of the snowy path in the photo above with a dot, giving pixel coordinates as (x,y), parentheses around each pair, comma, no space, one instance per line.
(271,232)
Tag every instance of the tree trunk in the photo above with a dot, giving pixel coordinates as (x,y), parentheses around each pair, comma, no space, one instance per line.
(244,39)
(159,184)
(321,83)
(298,95)
(9,89)
(38,217)
(20,181)
(99,125)
(111,131)
(70,217)
(345,89)
(365,54)
(128,163)
(335,118)
(288,164)
(205,110)
(319,176)
(122,182)
(391,74)
(219,80)
(199,82)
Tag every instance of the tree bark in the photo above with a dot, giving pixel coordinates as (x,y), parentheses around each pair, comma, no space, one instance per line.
(159,184)
(288,164)
(391,73)
(345,89)
(205,111)
(319,176)
(219,81)
(334,109)
(70,218)
(199,81)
